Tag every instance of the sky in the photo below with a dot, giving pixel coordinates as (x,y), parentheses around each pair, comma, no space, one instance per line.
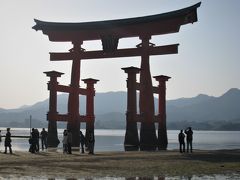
(208,60)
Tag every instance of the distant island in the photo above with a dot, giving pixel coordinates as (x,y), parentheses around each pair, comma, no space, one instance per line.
(202,112)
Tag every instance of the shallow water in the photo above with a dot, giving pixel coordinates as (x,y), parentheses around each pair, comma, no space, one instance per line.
(113,140)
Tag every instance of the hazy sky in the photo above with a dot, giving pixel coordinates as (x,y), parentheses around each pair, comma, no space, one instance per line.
(208,60)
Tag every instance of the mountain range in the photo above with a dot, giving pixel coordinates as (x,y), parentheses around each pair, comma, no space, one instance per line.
(201,112)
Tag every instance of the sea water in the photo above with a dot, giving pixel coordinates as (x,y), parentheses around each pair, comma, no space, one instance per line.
(113,140)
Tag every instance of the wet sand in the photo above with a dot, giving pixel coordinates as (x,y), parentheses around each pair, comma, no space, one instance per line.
(119,164)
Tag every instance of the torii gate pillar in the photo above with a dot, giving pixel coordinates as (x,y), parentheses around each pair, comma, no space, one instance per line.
(131,142)
(148,138)
(52,124)
(90,107)
(162,130)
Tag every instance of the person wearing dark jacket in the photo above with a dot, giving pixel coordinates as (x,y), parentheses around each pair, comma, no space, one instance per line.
(69,141)
(181,140)
(82,141)
(91,142)
(189,134)
(8,141)
(44,135)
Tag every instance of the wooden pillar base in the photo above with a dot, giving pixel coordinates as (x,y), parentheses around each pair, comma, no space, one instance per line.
(148,138)
(131,142)
(89,129)
(75,130)
(162,139)
(53,140)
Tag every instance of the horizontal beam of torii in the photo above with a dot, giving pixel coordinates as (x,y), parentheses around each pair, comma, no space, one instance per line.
(158,50)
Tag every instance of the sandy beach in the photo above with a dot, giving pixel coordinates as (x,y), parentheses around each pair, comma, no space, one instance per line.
(119,164)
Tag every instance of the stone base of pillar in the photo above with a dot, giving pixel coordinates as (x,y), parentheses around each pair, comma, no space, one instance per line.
(131,142)
(148,138)
(162,139)
(75,130)
(53,140)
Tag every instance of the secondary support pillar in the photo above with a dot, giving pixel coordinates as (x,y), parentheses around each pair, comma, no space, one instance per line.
(90,107)
(148,138)
(52,113)
(162,129)
(73,100)
(131,142)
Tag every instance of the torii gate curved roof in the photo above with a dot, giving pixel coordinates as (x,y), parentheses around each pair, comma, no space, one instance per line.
(169,22)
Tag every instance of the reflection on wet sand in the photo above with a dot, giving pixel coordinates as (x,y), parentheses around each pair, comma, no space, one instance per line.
(190,177)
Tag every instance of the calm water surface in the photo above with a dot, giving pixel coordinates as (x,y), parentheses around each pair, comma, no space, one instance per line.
(112,140)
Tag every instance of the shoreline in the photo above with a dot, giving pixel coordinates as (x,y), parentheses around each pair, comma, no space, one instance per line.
(168,163)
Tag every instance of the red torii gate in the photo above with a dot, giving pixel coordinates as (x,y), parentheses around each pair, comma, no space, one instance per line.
(131,141)
(109,32)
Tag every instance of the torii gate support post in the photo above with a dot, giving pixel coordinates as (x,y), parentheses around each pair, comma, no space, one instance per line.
(162,129)
(73,101)
(52,124)
(148,138)
(131,142)
(90,117)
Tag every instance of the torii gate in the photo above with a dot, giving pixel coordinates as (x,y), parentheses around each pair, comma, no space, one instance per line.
(109,32)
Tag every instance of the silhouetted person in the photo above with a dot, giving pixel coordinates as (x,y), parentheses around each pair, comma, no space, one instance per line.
(69,141)
(82,141)
(8,141)
(91,142)
(181,140)
(64,141)
(0,136)
(33,141)
(189,134)
(37,140)
(44,135)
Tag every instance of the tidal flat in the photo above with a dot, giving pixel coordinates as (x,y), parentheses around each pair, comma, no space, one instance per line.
(121,165)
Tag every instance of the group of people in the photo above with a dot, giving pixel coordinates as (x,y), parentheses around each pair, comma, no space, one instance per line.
(67,142)
(89,144)
(181,139)
(43,135)
(34,140)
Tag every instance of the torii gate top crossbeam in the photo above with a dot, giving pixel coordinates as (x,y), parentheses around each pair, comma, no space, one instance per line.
(132,27)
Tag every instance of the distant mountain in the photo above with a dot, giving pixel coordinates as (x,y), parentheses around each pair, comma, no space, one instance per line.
(183,102)
(206,108)
(201,112)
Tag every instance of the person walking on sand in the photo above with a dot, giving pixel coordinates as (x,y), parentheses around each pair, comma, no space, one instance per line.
(181,140)
(44,135)
(69,141)
(189,134)
(82,141)
(8,141)
(91,142)
(64,141)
